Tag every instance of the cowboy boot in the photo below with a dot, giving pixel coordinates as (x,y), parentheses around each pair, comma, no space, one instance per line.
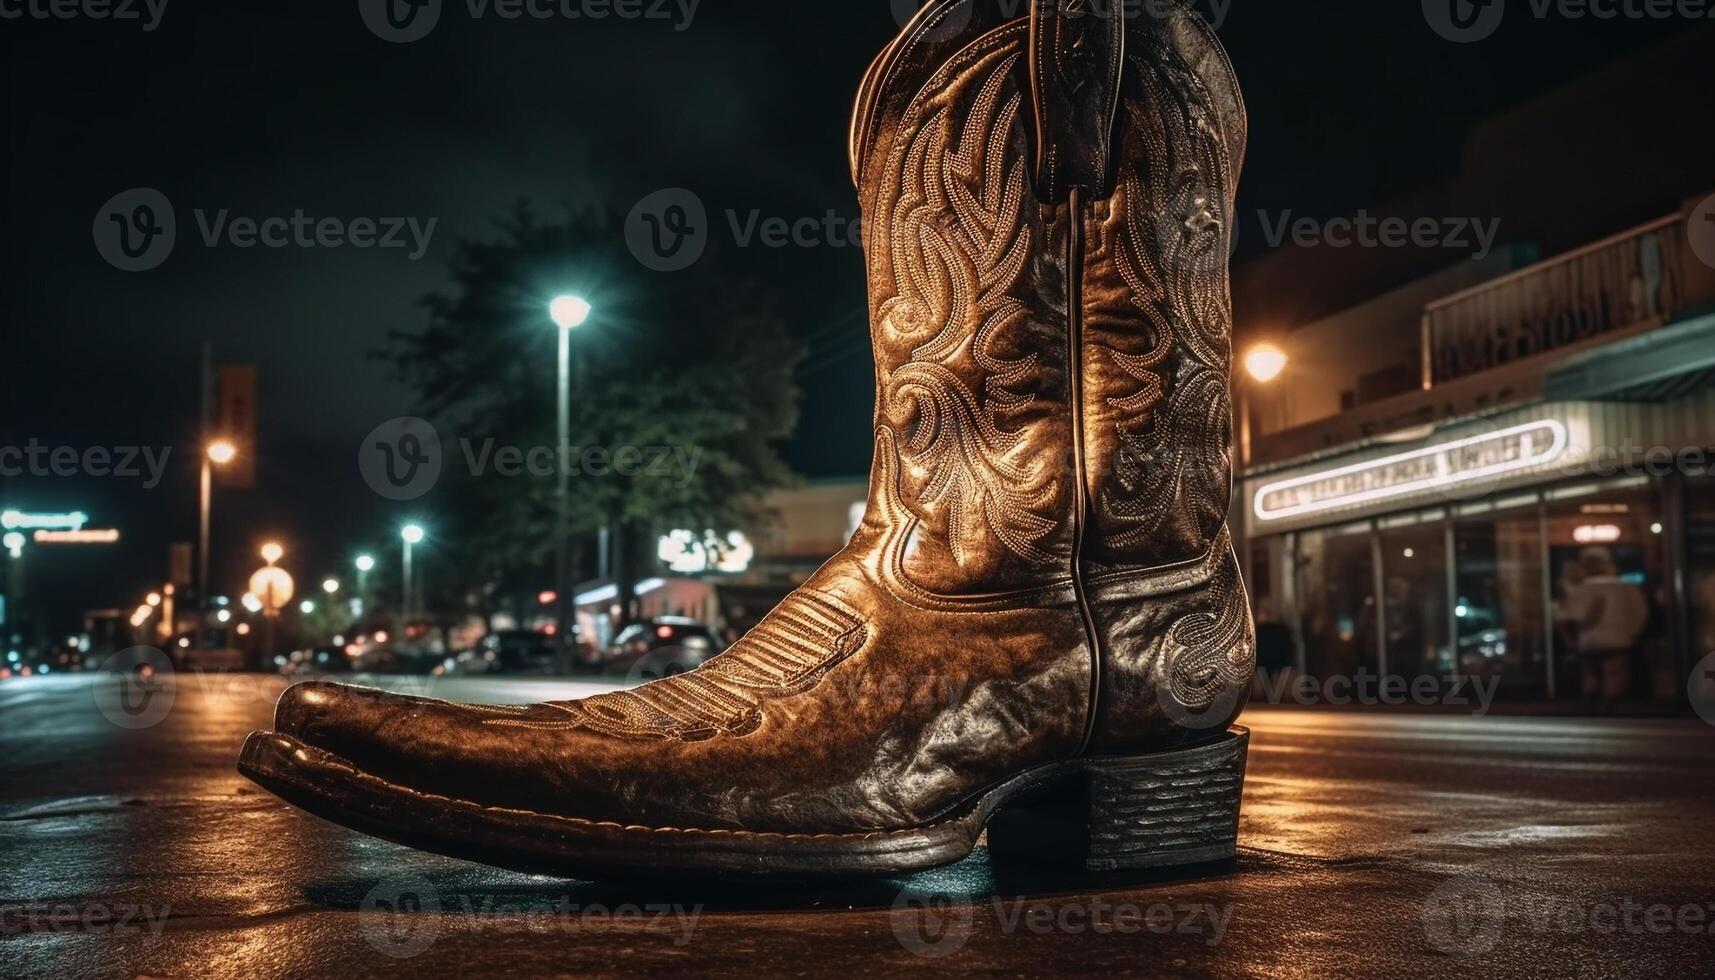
(1039,620)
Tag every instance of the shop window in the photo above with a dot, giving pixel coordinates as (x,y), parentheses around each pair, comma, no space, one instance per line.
(1700,569)
(1414,567)
(1499,615)
(1611,606)
(1337,587)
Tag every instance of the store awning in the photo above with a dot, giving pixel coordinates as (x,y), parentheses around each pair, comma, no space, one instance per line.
(1659,366)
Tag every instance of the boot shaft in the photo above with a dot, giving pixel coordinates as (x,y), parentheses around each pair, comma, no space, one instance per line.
(1047,205)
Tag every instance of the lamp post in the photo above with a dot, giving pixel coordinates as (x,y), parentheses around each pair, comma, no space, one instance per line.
(217,453)
(1263,364)
(365,564)
(410,534)
(568,313)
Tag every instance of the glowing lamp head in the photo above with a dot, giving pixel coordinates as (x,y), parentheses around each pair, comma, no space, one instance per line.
(1264,363)
(154,599)
(365,563)
(569,312)
(413,534)
(222,451)
(330,586)
(272,552)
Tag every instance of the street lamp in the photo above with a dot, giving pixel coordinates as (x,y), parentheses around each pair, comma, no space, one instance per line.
(410,534)
(568,313)
(217,453)
(1263,363)
(365,564)
(330,585)
(272,552)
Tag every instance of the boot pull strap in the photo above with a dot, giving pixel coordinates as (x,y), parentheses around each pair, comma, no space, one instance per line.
(1077,53)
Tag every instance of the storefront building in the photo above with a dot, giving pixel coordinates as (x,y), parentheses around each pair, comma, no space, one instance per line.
(1541,503)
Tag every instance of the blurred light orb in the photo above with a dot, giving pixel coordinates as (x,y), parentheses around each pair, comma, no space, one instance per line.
(1264,363)
(568,312)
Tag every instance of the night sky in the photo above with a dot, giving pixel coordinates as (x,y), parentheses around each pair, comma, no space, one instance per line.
(267,109)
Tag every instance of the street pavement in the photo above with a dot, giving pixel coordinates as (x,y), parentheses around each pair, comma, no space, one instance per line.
(1374,843)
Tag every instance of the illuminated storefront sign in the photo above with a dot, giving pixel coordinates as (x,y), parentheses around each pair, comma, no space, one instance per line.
(1444,467)
(17,520)
(85,536)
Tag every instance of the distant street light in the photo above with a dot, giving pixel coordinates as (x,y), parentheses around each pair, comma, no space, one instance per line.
(306,607)
(410,534)
(217,453)
(330,586)
(154,599)
(272,552)
(568,312)
(365,565)
(221,452)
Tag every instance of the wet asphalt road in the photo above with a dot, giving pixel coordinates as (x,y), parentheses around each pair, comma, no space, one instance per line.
(1373,844)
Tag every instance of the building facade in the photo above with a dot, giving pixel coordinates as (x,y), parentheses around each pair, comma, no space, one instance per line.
(1535,508)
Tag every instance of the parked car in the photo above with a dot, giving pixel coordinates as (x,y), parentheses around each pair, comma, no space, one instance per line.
(317,660)
(660,647)
(521,652)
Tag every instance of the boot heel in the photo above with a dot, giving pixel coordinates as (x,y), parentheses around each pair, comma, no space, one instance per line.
(1154,811)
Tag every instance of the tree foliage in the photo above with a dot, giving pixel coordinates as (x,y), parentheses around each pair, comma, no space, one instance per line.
(689,374)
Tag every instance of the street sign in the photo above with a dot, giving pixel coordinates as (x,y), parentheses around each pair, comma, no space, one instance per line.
(89,535)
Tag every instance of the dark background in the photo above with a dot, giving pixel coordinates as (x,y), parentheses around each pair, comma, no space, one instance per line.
(263,109)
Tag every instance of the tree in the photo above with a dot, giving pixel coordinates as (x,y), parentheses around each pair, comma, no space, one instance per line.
(683,389)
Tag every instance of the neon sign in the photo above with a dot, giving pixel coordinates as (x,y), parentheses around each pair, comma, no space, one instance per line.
(90,535)
(17,520)
(1443,467)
